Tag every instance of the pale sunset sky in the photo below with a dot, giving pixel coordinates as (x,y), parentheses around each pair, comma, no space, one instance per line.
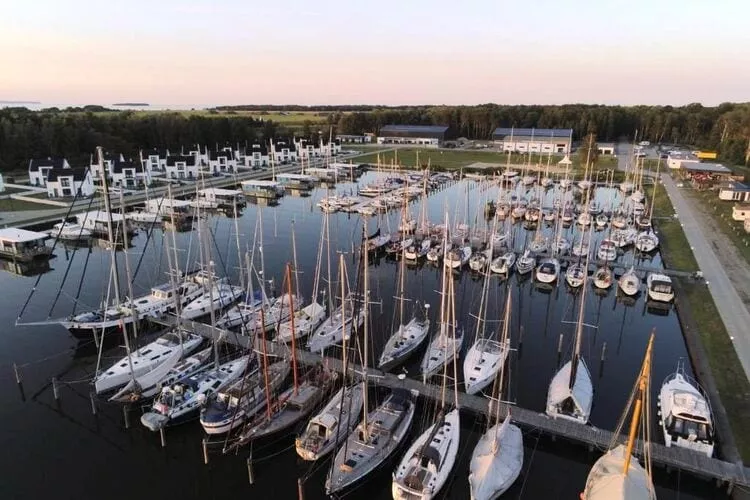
(193,52)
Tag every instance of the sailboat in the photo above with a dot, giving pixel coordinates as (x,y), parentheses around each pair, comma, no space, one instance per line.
(503,265)
(427,464)
(603,278)
(571,392)
(332,425)
(408,337)
(617,474)
(487,356)
(525,264)
(629,283)
(377,436)
(292,405)
(497,458)
(446,345)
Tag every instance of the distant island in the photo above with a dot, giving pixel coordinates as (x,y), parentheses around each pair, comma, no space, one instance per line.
(139,104)
(20,102)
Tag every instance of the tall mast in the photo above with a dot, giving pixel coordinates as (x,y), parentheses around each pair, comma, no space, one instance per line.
(264,358)
(237,240)
(579,324)
(174,267)
(128,273)
(643,379)
(288,279)
(294,261)
(501,375)
(453,330)
(113,253)
(365,312)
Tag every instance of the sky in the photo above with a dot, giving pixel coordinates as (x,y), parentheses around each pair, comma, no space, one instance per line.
(191,52)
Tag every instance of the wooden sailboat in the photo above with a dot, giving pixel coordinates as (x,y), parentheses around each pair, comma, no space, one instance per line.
(292,405)
(571,392)
(497,458)
(617,475)
(427,464)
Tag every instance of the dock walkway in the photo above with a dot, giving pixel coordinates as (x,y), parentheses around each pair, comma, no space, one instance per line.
(725,473)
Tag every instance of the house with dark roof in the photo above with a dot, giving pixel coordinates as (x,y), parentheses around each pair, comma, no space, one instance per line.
(222,162)
(127,174)
(69,182)
(39,169)
(256,156)
(283,152)
(316,147)
(154,161)
(420,135)
(98,172)
(182,167)
(534,140)
(734,191)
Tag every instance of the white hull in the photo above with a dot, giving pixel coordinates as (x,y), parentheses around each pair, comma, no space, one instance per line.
(482,363)
(403,343)
(496,461)
(579,399)
(678,396)
(331,332)
(629,283)
(606,480)
(412,479)
(442,350)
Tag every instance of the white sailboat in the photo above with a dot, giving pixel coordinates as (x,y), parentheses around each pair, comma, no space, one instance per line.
(503,265)
(629,283)
(446,345)
(571,392)
(497,458)
(617,475)
(487,356)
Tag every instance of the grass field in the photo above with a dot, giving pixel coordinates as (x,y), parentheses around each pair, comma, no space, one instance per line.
(452,159)
(11,205)
(733,386)
(721,213)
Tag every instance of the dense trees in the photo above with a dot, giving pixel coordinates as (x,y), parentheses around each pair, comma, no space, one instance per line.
(75,133)
(27,134)
(725,128)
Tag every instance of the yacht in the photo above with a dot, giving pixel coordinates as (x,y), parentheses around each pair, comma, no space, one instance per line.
(503,264)
(222,295)
(629,282)
(607,250)
(69,231)
(659,287)
(548,270)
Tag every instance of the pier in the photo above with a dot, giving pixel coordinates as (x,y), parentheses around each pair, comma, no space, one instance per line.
(725,473)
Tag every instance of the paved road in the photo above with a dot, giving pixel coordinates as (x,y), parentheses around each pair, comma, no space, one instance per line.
(732,310)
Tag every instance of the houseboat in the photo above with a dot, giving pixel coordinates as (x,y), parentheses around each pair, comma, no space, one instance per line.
(23,245)
(296,181)
(165,208)
(323,174)
(96,221)
(219,198)
(262,189)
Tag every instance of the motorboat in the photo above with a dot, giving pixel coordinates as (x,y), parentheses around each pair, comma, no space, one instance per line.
(685,415)
(659,287)
(70,232)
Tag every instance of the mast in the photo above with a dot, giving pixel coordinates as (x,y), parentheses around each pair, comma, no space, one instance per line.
(643,379)
(113,253)
(264,357)
(501,375)
(579,325)
(237,239)
(453,344)
(294,262)
(365,312)
(288,279)
(128,272)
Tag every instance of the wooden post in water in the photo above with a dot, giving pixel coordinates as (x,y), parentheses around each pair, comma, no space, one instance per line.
(250,476)
(55,391)
(126,416)
(17,373)
(604,351)
(559,344)
(205,451)
(92,397)
(162,437)
(300,489)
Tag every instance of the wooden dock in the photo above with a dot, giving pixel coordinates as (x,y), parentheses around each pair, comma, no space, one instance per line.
(725,473)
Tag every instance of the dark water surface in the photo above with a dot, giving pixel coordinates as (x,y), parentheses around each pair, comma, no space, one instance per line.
(60,450)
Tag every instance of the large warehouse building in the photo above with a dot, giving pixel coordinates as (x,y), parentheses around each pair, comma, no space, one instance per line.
(422,135)
(534,140)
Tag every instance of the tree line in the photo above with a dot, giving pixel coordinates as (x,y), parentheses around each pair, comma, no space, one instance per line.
(724,128)
(75,134)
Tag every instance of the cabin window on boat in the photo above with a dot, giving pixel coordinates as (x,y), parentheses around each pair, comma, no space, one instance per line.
(685,428)
(661,287)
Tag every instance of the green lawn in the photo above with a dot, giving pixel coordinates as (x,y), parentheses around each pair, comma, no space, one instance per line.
(721,213)
(731,382)
(10,205)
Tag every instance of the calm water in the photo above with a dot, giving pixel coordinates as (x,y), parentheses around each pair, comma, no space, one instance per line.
(62,450)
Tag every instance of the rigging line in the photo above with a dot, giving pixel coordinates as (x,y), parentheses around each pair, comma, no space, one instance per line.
(149,233)
(38,279)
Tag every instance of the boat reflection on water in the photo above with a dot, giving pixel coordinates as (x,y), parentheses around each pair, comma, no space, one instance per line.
(31,268)
(262,202)
(657,308)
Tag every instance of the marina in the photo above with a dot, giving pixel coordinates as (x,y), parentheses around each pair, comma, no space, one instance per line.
(540,337)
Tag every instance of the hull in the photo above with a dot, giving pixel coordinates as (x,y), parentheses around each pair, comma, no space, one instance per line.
(403,343)
(482,363)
